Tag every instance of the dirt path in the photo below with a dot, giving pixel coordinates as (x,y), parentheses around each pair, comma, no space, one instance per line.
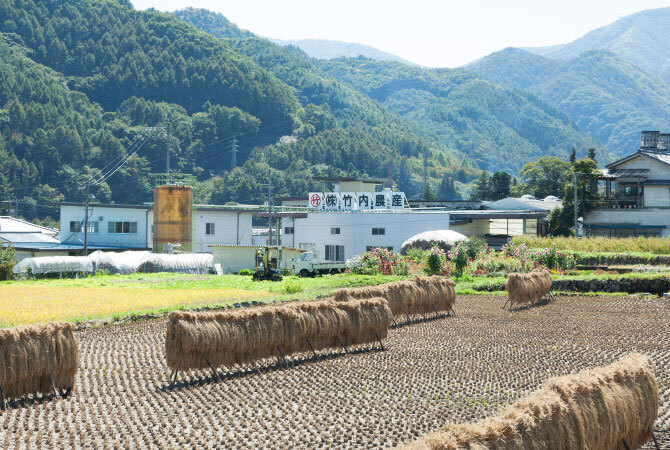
(453,369)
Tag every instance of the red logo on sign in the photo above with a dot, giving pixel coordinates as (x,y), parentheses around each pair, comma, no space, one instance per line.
(315,200)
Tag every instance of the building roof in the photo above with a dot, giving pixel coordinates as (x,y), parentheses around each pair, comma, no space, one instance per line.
(291,199)
(343,179)
(657,183)
(493,214)
(108,205)
(8,223)
(525,204)
(284,247)
(660,156)
(14,237)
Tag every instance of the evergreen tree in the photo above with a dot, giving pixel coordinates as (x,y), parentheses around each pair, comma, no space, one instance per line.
(573,155)
(447,190)
(499,185)
(428,194)
(481,190)
(592,154)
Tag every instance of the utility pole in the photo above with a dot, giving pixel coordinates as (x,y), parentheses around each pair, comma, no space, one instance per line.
(233,150)
(425,168)
(86,220)
(574,200)
(270,205)
(167,150)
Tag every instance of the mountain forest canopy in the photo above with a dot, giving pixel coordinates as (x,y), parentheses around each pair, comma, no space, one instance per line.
(607,97)
(83,83)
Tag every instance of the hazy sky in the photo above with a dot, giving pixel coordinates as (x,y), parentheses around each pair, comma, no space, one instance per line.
(429,32)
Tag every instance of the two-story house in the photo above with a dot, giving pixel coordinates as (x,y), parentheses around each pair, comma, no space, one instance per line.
(635,200)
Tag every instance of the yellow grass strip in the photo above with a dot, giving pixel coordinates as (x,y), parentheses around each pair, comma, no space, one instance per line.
(35,304)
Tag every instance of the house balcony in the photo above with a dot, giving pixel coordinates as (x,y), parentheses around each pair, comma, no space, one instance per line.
(624,202)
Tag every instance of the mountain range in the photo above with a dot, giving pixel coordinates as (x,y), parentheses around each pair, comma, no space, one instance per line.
(640,38)
(83,86)
(327,49)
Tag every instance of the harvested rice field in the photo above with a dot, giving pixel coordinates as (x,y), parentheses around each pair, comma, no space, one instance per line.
(24,304)
(431,373)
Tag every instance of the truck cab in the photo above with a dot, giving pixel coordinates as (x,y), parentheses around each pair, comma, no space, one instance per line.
(308,266)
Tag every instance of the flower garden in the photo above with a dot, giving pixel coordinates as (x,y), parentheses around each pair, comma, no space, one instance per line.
(472,258)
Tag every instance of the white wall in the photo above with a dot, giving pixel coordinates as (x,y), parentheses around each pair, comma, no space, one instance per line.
(643,217)
(227,230)
(356,229)
(657,196)
(102,237)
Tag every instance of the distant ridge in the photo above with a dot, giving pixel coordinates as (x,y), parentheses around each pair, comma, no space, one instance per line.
(640,38)
(326,49)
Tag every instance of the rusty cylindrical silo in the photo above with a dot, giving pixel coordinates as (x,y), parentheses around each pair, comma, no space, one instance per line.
(173,217)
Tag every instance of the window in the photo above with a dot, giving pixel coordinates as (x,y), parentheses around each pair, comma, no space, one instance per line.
(335,230)
(122,227)
(78,227)
(289,230)
(334,253)
(209,228)
(378,231)
(369,248)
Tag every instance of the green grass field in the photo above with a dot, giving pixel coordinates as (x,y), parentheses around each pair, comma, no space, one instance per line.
(644,245)
(118,296)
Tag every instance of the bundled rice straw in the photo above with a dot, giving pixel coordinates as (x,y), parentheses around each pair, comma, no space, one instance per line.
(30,354)
(528,287)
(593,410)
(235,337)
(421,294)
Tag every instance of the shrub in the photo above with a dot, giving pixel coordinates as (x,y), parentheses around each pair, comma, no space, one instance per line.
(459,258)
(474,246)
(379,261)
(435,261)
(499,263)
(292,287)
(7,263)
(245,272)
(554,259)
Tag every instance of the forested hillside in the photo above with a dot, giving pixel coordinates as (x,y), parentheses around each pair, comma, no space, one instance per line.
(608,98)
(332,103)
(496,127)
(80,82)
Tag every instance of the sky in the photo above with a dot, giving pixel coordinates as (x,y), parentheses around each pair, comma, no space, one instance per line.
(447,33)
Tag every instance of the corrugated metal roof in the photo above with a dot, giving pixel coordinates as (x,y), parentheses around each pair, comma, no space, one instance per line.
(519,204)
(284,247)
(23,237)
(8,223)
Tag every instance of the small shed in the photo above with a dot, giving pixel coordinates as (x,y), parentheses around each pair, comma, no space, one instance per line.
(234,258)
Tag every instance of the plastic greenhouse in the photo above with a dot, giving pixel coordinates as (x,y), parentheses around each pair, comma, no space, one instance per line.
(121,263)
(199,263)
(52,265)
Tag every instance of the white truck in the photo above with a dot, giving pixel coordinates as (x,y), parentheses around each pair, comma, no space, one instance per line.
(307,266)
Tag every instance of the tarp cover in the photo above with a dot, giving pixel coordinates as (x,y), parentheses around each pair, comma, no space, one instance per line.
(55,264)
(122,263)
(449,237)
(180,263)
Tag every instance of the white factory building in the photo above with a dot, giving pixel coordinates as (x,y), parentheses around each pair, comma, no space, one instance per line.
(130,227)
(338,236)
(353,216)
